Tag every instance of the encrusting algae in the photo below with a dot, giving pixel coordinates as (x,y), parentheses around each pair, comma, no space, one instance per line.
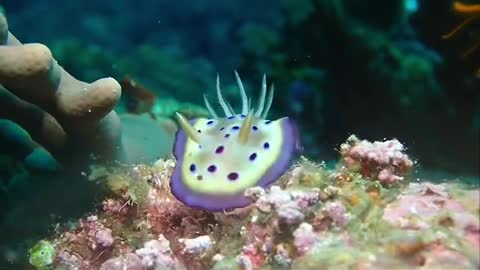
(354,216)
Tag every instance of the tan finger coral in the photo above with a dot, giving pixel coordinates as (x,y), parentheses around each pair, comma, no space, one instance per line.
(35,83)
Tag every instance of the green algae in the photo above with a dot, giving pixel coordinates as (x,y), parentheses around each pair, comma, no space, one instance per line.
(41,255)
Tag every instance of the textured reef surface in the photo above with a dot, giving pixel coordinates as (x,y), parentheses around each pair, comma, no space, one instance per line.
(369,212)
(88,178)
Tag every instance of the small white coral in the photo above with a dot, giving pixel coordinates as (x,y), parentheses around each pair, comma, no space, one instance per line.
(337,212)
(156,254)
(306,198)
(129,261)
(197,246)
(273,199)
(69,261)
(103,237)
(290,213)
(254,193)
(304,238)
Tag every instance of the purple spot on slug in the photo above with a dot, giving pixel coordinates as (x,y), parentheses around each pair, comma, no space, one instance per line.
(199,177)
(222,128)
(268,122)
(212,168)
(210,122)
(255,128)
(266,145)
(192,167)
(235,127)
(253,156)
(199,131)
(232,176)
(242,116)
(230,117)
(219,149)
(227,135)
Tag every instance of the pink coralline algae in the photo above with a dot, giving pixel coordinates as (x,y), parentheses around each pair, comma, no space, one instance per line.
(129,261)
(307,220)
(305,238)
(422,202)
(384,161)
(156,254)
(93,233)
(113,206)
(70,261)
(425,206)
(337,212)
(104,237)
(282,202)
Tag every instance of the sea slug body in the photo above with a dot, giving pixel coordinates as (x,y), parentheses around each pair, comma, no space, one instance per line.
(220,157)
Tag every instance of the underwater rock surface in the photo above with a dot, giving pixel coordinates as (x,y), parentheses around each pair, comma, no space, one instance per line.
(311,218)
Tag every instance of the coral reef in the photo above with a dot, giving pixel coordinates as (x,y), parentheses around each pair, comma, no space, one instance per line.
(313,218)
(384,161)
(377,69)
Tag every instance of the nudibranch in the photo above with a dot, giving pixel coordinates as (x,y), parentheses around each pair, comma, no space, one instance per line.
(218,158)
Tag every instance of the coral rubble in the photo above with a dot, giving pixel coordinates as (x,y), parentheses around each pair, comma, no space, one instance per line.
(312,218)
